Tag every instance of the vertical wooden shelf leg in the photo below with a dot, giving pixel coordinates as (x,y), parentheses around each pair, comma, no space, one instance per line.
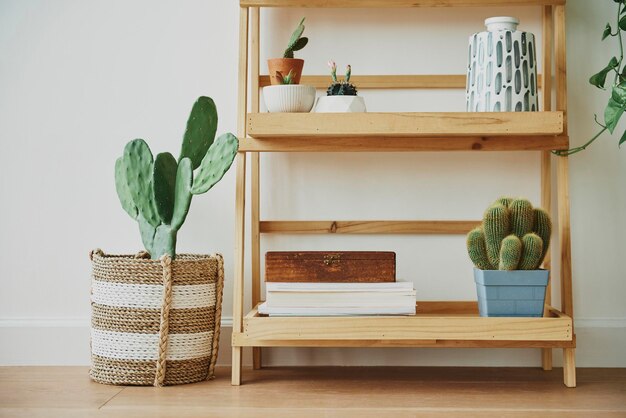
(546,157)
(567,300)
(569,367)
(240,196)
(240,205)
(254,175)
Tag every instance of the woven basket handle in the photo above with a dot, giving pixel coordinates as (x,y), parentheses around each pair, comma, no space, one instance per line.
(166,263)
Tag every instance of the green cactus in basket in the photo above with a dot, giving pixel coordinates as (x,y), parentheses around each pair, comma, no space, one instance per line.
(513,236)
(340,87)
(296,42)
(157,191)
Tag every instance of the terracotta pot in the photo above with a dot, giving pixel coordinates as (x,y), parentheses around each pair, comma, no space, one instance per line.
(284,65)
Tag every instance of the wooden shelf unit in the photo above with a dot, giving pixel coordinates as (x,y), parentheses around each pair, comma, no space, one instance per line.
(436,324)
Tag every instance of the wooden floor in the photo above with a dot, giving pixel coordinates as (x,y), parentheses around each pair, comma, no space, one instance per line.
(321,392)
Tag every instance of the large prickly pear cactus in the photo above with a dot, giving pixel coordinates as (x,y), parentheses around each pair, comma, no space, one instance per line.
(157,191)
(513,236)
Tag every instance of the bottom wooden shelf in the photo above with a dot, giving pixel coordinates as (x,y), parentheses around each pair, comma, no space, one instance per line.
(436,324)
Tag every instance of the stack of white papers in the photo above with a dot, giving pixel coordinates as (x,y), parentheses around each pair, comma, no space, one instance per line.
(333,299)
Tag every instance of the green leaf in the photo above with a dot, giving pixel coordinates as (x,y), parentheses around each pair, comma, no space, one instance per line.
(599,79)
(123,191)
(163,184)
(607,32)
(612,114)
(618,94)
(622,23)
(200,131)
(622,139)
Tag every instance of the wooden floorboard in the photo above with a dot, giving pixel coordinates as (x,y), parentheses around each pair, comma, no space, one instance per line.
(321,392)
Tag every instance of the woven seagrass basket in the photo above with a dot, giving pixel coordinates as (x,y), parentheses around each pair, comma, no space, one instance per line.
(155,322)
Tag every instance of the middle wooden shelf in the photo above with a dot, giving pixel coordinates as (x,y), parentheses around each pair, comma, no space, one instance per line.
(405,124)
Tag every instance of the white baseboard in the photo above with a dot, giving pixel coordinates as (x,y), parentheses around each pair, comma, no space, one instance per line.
(65,341)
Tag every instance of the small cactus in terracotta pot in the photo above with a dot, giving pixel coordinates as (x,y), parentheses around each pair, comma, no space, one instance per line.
(280,67)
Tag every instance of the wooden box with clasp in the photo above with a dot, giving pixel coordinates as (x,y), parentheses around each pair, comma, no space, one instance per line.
(330,266)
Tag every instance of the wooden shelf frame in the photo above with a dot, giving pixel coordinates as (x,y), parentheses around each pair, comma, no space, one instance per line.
(437,324)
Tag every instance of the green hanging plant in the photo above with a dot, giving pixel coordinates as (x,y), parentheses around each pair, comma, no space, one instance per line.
(617,102)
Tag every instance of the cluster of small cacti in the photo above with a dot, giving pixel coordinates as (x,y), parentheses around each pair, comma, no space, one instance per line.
(513,236)
(343,87)
(288,79)
(157,191)
(296,42)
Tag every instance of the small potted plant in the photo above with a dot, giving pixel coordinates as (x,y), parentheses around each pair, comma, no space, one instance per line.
(288,97)
(507,250)
(288,64)
(341,95)
(156,315)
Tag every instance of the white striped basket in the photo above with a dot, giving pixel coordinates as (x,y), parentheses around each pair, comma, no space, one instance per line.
(155,322)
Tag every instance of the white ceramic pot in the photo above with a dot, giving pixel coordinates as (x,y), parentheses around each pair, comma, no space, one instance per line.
(338,104)
(289,98)
(502,70)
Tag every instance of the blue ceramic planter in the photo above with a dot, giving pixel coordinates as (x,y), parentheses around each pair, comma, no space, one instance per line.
(511,293)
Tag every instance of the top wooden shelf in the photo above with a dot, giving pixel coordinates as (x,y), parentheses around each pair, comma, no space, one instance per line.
(395,3)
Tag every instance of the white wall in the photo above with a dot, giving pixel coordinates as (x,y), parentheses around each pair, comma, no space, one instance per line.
(78,79)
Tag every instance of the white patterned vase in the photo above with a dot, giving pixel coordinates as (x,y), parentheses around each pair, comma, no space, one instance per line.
(502,70)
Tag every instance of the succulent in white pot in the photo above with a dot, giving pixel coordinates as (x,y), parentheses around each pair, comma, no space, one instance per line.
(341,95)
(287,96)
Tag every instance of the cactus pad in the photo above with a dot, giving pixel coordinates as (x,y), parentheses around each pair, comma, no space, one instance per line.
(200,131)
(139,165)
(215,163)
(123,191)
(182,193)
(164,182)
